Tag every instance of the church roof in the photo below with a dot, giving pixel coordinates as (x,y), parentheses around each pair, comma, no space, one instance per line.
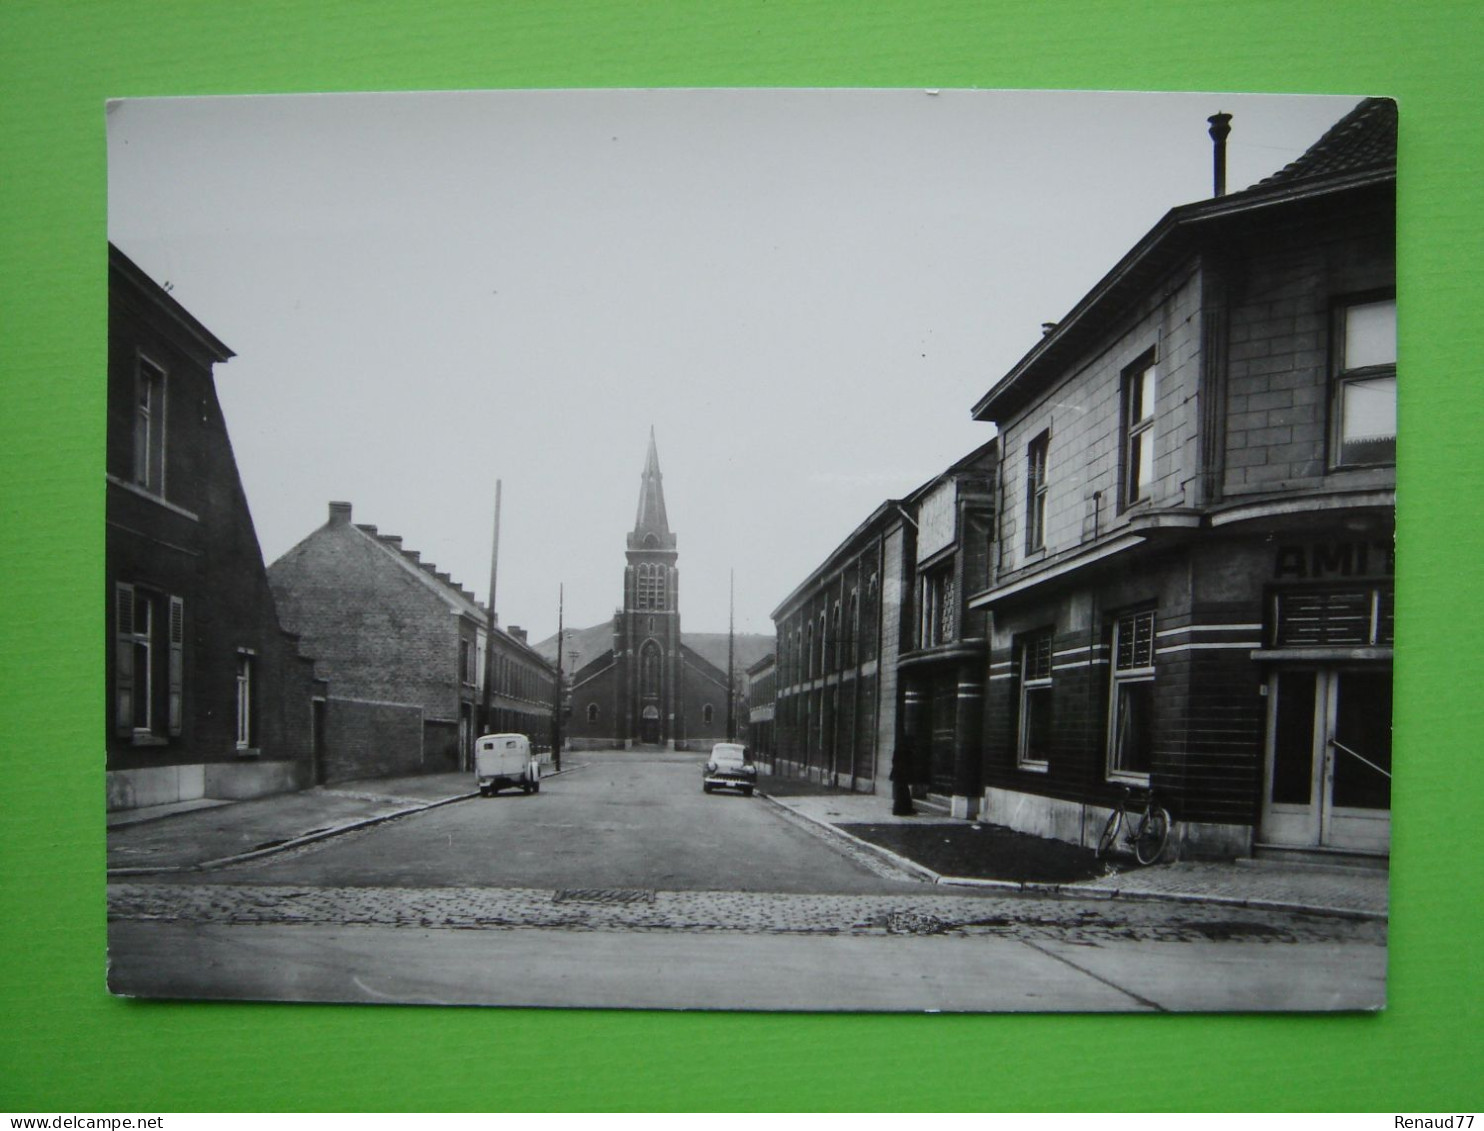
(595,641)
(651,524)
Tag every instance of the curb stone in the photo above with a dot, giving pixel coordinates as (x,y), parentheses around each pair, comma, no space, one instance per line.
(299,841)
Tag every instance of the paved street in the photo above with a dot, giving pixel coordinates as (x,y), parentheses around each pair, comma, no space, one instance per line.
(616,820)
(621,883)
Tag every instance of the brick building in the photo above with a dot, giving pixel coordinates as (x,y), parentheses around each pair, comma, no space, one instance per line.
(403,646)
(208,696)
(652,684)
(878,654)
(1192,584)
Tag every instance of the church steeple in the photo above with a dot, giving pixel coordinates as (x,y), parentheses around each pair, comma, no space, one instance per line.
(651,524)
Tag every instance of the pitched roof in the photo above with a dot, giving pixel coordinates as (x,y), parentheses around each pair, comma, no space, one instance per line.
(1363,139)
(596,640)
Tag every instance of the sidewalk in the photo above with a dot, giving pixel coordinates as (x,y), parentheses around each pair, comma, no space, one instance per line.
(177,838)
(986,856)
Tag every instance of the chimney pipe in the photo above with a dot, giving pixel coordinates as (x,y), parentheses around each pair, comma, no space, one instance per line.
(339,512)
(1220,127)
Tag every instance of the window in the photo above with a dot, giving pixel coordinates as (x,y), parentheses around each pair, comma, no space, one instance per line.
(149,428)
(837,658)
(1139,389)
(149,669)
(659,587)
(649,671)
(642,592)
(853,630)
(1035,492)
(592,712)
(245,729)
(1033,749)
(466,661)
(939,614)
(706,714)
(1365,385)
(1131,722)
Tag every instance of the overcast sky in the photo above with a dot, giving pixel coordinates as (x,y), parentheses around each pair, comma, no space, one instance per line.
(803,292)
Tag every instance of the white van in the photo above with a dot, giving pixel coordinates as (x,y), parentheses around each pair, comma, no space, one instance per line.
(502,760)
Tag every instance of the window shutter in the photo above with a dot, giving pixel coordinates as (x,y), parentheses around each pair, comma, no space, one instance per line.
(177,661)
(123,665)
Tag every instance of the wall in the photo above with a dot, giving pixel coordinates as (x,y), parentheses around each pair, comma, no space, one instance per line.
(195,541)
(376,631)
(1279,331)
(367,739)
(1083,414)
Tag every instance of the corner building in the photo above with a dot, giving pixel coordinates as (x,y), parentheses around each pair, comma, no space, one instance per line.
(1192,585)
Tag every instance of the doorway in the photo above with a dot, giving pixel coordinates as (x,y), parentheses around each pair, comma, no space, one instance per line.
(1328,770)
(649,724)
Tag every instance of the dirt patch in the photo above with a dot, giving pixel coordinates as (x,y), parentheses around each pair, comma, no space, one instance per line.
(984,852)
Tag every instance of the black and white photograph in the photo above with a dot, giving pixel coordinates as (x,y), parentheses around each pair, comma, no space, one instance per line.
(901,550)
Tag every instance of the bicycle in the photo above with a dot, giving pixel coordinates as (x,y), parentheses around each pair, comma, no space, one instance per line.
(1147,833)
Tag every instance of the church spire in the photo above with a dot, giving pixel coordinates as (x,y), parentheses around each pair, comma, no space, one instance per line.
(651,525)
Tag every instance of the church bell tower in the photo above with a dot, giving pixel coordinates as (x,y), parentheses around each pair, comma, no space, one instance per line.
(650,620)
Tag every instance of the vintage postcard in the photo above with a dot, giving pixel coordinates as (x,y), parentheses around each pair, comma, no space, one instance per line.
(886,550)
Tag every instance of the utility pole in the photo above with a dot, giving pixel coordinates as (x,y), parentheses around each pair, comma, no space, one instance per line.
(731,655)
(557,695)
(491,619)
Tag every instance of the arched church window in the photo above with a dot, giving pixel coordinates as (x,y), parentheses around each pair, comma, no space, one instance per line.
(706,714)
(592,712)
(649,670)
(809,647)
(659,587)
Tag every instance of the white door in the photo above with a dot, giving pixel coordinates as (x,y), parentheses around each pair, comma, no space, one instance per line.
(1327,782)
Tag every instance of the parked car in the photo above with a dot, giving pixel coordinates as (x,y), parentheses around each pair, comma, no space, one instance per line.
(729,767)
(502,760)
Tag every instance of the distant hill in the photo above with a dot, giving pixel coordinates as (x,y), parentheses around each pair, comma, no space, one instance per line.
(590,643)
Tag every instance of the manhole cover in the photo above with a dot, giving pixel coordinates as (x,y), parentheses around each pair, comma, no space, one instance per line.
(603,895)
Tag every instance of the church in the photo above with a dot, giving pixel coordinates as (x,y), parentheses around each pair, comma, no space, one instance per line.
(640,681)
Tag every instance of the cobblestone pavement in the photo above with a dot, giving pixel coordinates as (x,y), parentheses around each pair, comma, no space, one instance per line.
(749,913)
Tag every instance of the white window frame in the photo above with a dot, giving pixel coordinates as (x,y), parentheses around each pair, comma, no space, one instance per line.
(1140,388)
(1346,377)
(149,426)
(1122,676)
(1035,491)
(1032,681)
(246,662)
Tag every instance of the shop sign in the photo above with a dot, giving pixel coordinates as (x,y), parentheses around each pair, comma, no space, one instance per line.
(1323,560)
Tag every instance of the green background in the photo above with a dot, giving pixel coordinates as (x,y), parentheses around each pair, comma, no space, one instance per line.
(65,1045)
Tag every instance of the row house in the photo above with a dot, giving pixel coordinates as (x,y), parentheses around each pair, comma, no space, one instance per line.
(879,657)
(209,697)
(406,650)
(1191,588)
